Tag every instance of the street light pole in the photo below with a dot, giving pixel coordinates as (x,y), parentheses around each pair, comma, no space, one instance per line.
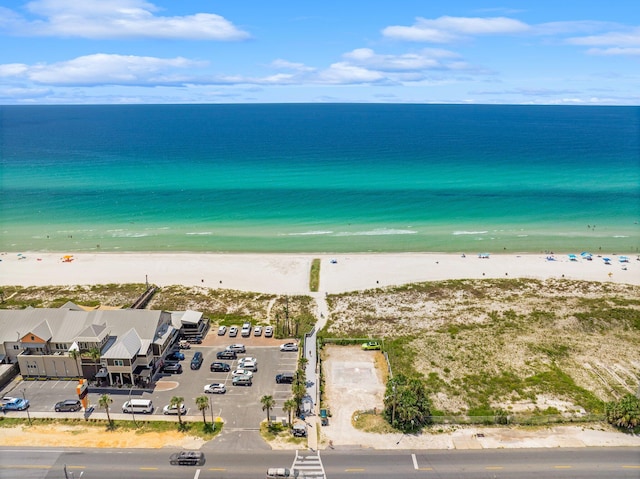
(133,412)
(28,415)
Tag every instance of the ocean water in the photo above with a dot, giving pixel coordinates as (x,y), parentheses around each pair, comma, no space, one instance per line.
(320,178)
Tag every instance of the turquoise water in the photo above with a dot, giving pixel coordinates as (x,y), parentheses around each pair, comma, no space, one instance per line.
(320,178)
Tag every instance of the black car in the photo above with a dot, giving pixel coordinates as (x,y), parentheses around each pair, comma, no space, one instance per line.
(70,405)
(284,378)
(196,339)
(220,367)
(172,368)
(196,361)
(226,355)
(187,458)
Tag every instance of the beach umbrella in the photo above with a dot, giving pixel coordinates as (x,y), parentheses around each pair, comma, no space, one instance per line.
(623,259)
(585,254)
(573,257)
(606,260)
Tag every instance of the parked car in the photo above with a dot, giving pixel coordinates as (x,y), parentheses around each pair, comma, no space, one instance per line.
(237,348)
(371,345)
(215,388)
(196,361)
(220,367)
(248,365)
(242,372)
(289,347)
(173,409)
(197,339)
(222,330)
(233,331)
(8,403)
(285,378)
(175,356)
(246,330)
(187,458)
(242,381)
(268,332)
(68,405)
(184,344)
(247,359)
(172,368)
(257,331)
(226,355)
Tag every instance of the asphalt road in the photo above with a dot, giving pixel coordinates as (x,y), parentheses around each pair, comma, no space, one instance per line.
(582,463)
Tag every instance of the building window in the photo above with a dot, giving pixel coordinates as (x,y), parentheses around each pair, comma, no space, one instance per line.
(16,346)
(118,362)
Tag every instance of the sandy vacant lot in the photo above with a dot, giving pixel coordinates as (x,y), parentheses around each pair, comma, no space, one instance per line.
(354,384)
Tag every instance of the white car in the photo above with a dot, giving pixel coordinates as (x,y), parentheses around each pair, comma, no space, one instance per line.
(247,359)
(238,348)
(172,409)
(248,365)
(257,331)
(215,388)
(289,347)
(222,330)
(268,332)
(242,372)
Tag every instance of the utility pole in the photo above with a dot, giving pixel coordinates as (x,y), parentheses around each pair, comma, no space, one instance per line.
(28,415)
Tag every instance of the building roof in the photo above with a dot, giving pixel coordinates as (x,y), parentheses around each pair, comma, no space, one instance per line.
(125,346)
(68,324)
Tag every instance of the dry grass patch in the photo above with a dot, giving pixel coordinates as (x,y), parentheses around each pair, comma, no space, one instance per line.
(483,345)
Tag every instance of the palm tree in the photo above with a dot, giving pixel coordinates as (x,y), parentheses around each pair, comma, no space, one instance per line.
(177,402)
(94,353)
(289,406)
(202,402)
(104,402)
(267,404)
(75,354)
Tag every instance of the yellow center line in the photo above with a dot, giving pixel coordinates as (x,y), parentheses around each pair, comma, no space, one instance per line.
(562,467)
(354,470)
(148,468)
(217,469)
(630,467)
(425,469)
(76,467)
(494,468)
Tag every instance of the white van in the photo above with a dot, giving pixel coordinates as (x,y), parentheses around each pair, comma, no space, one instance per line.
(281,472)
(142,406)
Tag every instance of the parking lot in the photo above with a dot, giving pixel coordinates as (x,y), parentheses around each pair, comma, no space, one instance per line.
(239,407)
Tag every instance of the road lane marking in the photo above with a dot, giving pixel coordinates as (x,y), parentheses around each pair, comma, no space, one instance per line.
(148,468)
(562,467)
(415,461)
(354,469)
(197,474)
(494,468)
(630,467)
(426,469)
(217,469)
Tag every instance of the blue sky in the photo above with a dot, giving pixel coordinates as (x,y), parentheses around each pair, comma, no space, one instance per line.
(583,52)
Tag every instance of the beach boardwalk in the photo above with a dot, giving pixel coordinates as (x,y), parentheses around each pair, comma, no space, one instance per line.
(309,465)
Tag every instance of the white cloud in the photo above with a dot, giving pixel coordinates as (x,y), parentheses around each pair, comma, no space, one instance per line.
(98,19)
(104,69)
(345,73)
(425,59)
(618,39)
(448,29)
(614,51)
(280,63)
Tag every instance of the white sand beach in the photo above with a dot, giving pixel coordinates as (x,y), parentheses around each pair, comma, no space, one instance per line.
(289,273)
